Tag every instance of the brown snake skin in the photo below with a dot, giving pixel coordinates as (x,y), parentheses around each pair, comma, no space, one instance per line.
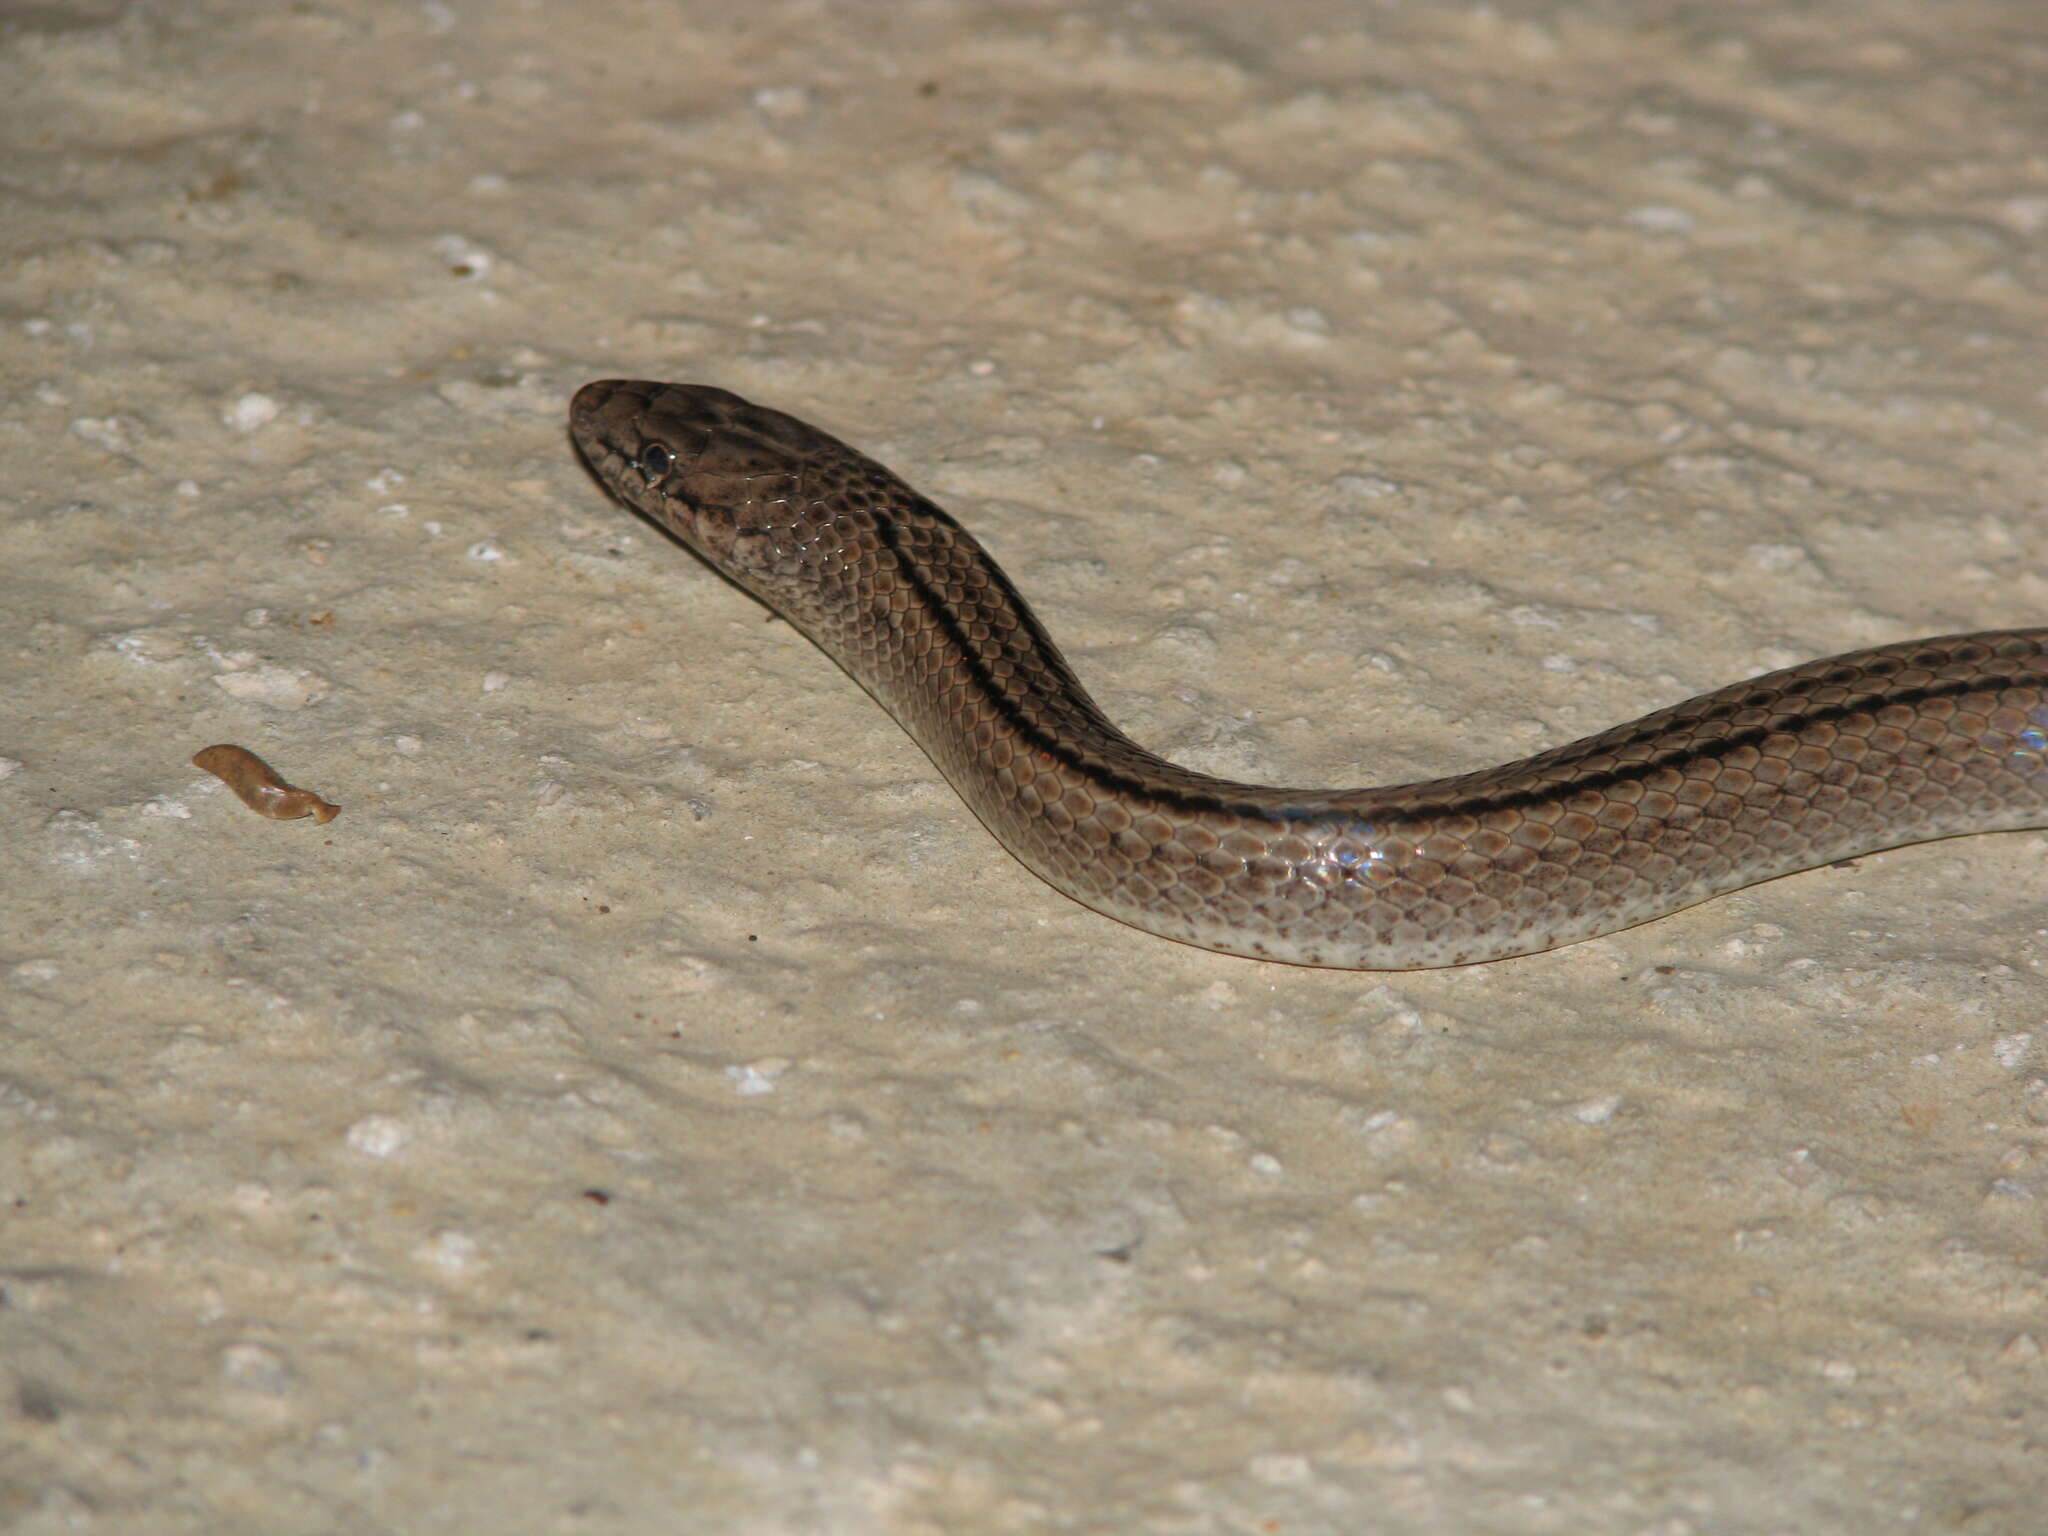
(1823,761)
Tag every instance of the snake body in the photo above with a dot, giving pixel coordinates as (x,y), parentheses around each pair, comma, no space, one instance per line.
(1823,761)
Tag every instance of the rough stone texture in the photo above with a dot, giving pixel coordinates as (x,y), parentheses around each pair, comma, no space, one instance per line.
(652,1105)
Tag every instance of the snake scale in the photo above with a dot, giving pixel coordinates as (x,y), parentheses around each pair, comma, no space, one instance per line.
(1824,761)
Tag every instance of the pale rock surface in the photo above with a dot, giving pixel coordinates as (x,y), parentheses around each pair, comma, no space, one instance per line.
(655,1105)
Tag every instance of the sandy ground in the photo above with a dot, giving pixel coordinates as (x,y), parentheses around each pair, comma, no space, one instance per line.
(656,1105)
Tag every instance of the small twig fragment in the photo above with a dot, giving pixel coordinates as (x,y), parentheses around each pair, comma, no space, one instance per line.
(256,783)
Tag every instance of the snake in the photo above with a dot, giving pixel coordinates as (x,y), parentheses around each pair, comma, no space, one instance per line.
(1818,763)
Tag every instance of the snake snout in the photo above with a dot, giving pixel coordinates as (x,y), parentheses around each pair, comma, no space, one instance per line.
(602,417)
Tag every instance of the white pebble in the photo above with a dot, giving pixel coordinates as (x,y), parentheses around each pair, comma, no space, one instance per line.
(255,1368)
(466,260)
(452,1251)
(378,1135)
(251,412)
(108,432)
(757,1077)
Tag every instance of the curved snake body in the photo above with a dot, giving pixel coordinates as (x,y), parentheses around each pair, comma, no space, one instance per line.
(1823,761)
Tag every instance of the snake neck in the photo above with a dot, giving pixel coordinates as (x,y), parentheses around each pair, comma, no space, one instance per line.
(940,637)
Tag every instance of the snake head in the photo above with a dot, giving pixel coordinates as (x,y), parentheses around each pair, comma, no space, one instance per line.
(819,532)
(725,476)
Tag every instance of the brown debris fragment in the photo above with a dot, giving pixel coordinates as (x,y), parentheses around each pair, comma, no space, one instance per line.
(256,783)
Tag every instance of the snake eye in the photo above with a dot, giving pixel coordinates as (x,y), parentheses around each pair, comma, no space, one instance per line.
(655,463)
